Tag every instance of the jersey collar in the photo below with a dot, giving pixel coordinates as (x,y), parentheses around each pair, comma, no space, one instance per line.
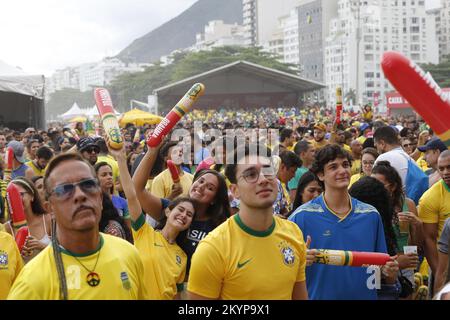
(250,231)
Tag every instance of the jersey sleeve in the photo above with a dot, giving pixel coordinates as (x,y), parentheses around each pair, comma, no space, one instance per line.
(158,187)
(428,213)
(21,290)
(302,256)
(207,271)
(445,235)
(140,227)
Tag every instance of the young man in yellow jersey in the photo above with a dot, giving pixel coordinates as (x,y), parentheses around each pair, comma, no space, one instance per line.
(434,209)
(37,166)
(10,263)
(254,254)
(82,263)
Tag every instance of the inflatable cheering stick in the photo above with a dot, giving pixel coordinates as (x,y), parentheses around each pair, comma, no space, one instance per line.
(351,258)
(173,171)
(109,119)
(15,206)
(21,237)
(338,105)
(420,91)
(9,164)
(172,118)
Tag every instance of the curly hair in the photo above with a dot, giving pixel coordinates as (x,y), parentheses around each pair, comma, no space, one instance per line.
(326,154)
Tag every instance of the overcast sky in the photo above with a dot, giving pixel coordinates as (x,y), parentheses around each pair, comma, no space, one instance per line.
(40,36)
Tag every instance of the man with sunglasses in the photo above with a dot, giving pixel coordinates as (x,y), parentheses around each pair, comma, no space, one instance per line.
(82,263)
(240,258)
(88,149)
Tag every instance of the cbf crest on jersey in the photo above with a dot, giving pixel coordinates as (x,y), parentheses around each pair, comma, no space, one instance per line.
(287,253)
(3,260)
(178,258)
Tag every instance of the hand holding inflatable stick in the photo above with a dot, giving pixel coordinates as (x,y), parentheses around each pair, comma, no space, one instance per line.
(109,119)
(420,90)
(338,105)
(173,171)
(172,118)
(15,206)
(351,258)
(21,237)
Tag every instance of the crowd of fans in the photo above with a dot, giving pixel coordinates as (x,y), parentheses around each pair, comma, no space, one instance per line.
(369,183)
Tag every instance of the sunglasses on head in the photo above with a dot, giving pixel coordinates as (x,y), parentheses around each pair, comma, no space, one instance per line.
(65,191)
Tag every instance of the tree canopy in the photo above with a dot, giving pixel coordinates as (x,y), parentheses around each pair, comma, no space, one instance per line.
(440,72)
(139,85)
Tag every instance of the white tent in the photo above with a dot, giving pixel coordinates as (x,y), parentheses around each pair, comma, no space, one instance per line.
(93,112)
(73,112)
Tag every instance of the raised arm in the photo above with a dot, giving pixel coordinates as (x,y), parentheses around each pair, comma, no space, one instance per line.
(150,203)
(127,184)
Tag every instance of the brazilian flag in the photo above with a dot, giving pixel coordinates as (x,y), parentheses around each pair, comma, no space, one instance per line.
(89,126)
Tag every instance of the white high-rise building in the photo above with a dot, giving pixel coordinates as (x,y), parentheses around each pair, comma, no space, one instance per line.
(360,35)
(219,34)
(260,19)
(441,17)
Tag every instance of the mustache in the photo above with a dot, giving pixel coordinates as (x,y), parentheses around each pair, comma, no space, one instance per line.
(81,208)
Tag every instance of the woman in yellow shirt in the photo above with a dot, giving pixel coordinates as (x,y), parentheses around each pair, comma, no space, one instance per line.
(164,261)
(368,158)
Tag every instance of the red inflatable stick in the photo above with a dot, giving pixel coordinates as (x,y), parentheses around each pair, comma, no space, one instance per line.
(351,258)
(15,206)
(109,119)
(173,171)
(181,108)
(338,105)
(9,158)
(21,237)
(420,91)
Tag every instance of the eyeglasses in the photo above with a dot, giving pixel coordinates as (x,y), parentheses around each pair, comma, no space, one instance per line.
(252,175)
(65,191)
(90,150)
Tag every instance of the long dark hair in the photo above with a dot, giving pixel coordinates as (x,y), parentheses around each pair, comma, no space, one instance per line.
(306,179)
(219,211)
(109,212)
(391,175)
(36,204)
(97,167)
(181,238)
(373,192)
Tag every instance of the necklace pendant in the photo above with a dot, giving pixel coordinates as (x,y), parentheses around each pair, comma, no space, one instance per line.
(93,279)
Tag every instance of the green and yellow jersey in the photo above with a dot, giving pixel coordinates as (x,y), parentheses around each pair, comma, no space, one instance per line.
(10,263)
(116,263)
(235,262)
(164,263)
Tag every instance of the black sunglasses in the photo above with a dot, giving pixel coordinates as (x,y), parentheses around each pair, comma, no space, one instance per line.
(65,191)
(91,149)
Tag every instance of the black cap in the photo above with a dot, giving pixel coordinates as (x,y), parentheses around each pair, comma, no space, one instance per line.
(433,144)
(85,143)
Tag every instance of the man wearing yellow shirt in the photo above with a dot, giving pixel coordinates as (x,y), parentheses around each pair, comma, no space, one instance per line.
(43,156)
(82,263)
(10,263)
(434,209)
(163,185)
(319,136)
(240,258)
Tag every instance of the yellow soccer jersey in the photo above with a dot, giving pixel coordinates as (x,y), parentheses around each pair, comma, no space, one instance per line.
(234,262)
(434,205)
(164,263)
(356,166)
(119,270)
(319,145)
(36,171)
(162,184)
(10,263)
